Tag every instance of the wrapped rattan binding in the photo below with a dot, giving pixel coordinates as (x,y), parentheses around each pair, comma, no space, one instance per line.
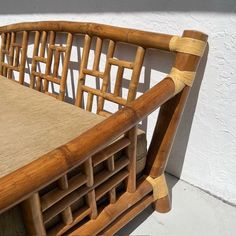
(187,45)
(159,186)
(181,78)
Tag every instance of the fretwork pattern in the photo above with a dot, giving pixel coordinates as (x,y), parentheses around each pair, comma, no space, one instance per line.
(103,93)
(13,54)
(40,80)
(84,192)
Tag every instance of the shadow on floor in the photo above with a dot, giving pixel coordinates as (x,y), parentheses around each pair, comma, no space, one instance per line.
(138,220)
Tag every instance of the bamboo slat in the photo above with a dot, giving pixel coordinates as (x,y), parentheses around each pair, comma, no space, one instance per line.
(106,76)
(11,55)
(131,152)
(66,214)
(33,216)
(83,65)
(91,194)
(23,56)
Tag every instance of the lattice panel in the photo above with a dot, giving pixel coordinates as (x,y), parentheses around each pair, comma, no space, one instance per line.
(102,93)
(13,54)
(84,192)
(45,41)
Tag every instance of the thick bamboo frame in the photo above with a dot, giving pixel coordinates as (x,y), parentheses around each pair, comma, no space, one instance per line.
(119,132)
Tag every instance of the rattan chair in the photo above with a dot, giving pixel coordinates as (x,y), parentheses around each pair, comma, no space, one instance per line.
(100,180)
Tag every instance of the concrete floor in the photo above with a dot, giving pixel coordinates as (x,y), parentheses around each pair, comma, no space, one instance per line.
(194,212)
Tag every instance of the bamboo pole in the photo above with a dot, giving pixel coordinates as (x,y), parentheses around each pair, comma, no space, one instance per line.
(152,40)
(168,121)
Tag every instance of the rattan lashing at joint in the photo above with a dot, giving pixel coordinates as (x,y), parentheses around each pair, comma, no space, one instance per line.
(181,78)
(187,45)
(159,186)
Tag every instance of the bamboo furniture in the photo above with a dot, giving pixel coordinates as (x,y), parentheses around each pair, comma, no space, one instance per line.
(89,181)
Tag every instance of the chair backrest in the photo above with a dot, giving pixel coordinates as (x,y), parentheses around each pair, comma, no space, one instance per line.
(48,52)
(13,54)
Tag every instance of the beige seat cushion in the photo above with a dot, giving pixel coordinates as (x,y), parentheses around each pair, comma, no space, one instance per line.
(32,124)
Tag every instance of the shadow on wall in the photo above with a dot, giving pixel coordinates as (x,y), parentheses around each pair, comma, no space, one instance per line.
(91,6)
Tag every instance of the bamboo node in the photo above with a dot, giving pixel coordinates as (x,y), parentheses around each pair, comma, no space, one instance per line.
(159,186)
(187,45)
(181,78)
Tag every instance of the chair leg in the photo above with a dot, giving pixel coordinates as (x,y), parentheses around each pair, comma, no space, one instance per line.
(162,205)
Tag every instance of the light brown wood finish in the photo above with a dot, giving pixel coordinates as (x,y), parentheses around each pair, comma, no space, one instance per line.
(10,53)
(92,151)
(33,216)
(69,155)
(168,121)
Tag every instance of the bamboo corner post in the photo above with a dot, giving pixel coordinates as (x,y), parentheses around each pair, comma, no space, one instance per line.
(169,118)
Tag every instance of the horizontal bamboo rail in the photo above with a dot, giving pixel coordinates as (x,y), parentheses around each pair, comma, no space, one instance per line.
(152,40)
(20,184)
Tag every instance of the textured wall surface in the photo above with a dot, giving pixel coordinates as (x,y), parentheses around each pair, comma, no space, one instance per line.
(204,153)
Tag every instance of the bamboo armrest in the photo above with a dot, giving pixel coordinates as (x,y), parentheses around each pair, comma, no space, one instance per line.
(20,184)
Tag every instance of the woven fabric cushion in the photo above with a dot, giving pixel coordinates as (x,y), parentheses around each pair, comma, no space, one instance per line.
(32,124)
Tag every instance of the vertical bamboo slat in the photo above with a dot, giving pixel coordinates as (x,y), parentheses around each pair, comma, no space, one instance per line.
(111,167)
(97,55)
(83,65)
(17,54)
(106,78)
(65,66)
(91,199)
(52,36)
(6,49)
(11,55)
(66,214)
(2,54)
(118,82)
(33,216)
(136,73)
(23,56)
(34,63)
(41,54)
(131,152)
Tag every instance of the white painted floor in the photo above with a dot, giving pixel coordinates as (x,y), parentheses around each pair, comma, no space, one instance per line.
(194,213)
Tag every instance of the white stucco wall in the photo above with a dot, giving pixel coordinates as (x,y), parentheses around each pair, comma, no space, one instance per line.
(204,153)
